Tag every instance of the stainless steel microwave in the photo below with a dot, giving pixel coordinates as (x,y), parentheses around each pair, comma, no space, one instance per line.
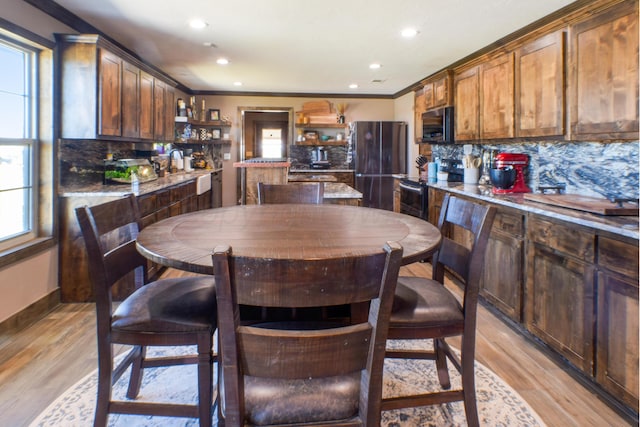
(437,126)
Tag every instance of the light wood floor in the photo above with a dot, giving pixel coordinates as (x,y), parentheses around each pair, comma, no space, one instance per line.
(40,362)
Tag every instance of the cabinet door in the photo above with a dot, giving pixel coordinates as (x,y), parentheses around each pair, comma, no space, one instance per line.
(540,87)
(617,344)
(604,103)
(159,94)
(561,304)
(419,108)
(497,98)
(169,114)
(435,199)
(467,102)
(428,96)
(110,88)
(441,92)
(503,281)
(146,105)
(130,100)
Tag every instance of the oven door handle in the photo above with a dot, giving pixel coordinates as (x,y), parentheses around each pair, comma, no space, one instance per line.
(411,188)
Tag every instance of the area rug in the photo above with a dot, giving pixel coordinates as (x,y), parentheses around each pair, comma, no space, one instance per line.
(498,404)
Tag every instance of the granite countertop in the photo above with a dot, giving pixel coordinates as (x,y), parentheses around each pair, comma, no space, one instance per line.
(340,190)
(261,164)
(117,190)
(325,177)
(621,225)
(309,170)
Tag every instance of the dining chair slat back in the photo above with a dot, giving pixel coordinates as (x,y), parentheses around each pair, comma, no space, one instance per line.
(425,309)
(299,192)
(166,312)
(299,371)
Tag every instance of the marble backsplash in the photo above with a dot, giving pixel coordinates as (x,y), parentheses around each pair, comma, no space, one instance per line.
(301,155)
(587,168)
(82,161)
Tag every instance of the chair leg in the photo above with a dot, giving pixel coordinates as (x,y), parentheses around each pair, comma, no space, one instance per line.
(469,383)
(441,365)
(105,369)
(205,379)
(136,373)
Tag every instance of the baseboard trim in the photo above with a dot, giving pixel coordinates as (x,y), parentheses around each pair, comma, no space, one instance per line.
(31,314)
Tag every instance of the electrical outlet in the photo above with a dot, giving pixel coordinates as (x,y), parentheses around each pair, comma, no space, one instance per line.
(227,156)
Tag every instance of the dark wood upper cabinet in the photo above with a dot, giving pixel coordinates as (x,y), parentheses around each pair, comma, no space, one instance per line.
(107,94)
(467,105)
(604,75)
(130,101)
(540,87)
(497,97)
(146,105)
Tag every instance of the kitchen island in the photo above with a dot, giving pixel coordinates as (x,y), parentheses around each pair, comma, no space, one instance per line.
(338,193)
(567,279)
(268,171)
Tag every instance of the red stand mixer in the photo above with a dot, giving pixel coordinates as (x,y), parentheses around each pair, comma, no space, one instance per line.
(517,161)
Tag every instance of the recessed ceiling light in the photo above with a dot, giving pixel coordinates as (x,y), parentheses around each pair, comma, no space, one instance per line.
(353,86)
(222,61)
(237,83)
(375,66)
(409,32)
(197,24)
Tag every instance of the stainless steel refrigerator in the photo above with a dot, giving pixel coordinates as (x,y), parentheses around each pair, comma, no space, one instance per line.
(379,151)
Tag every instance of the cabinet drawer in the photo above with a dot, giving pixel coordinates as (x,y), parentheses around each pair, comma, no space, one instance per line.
(509,223)
(163,199)
(147,204)
(563,238)
(182,191)
(618,256)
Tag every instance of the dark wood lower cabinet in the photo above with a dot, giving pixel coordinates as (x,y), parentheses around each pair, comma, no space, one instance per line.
(573,287)
(503,279)
(75,285)
(560,304)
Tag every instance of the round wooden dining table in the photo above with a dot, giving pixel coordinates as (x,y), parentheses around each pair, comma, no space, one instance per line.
(186,241)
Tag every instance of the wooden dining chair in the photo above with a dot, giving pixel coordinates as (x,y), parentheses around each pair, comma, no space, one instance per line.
(424,309)
(299,192)
(304,373)
(167,312)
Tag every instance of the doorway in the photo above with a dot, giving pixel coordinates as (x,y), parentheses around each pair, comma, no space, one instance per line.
(265,134)
(276,124)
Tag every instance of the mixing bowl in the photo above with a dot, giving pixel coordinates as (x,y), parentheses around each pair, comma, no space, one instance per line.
(503,178)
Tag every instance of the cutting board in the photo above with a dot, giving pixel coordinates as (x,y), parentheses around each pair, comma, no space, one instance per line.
(584,203)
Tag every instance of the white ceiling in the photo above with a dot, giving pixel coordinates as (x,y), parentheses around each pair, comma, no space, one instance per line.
(293,46)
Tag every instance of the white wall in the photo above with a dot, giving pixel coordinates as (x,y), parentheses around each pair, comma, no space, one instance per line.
(357,109)
(30,280)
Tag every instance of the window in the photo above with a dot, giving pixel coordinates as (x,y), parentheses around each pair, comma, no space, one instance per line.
(272,143)
(17,141)
(26,148)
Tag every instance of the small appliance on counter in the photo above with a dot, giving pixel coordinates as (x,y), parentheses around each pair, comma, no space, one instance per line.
(454,168)
(507,174)
(319,159)
(125,171)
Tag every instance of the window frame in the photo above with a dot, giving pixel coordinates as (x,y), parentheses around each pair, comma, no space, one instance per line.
(41,235)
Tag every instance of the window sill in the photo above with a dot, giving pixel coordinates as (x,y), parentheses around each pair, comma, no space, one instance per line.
(25,250)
